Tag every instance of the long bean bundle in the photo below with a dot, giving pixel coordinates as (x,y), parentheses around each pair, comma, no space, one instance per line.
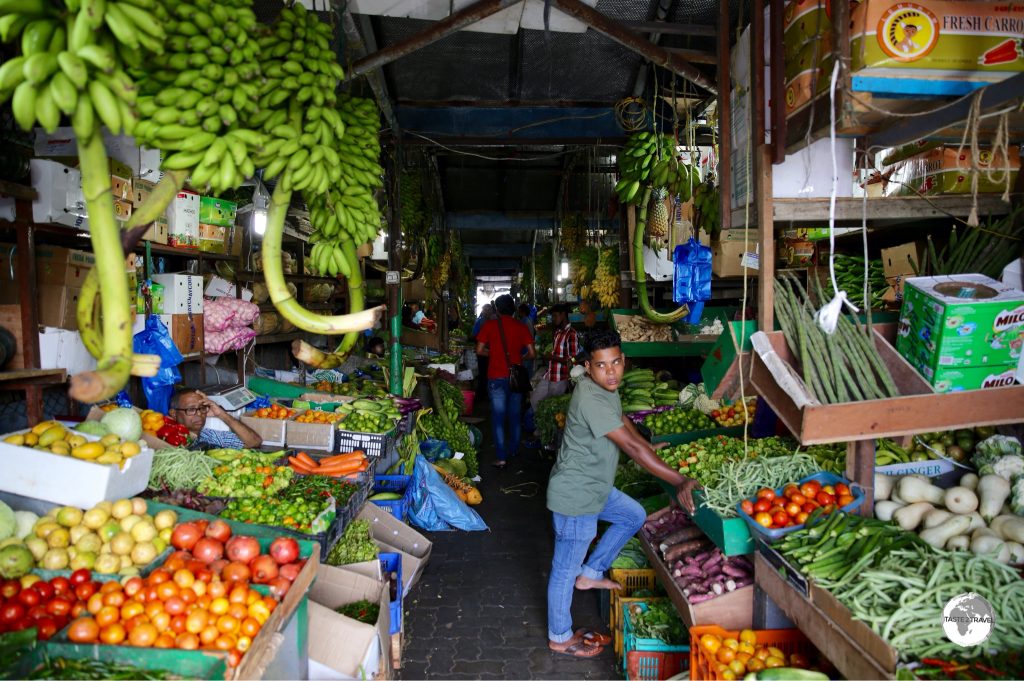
(982,250)
(177,468)
(840,367)
(739,480)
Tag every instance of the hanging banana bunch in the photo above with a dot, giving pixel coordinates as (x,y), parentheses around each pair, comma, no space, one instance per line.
(73,62)
(573,232)
(438,263)
(641,273)
(649,159)
(707,208)
(415,220)
(606,278)
(309,137)
(582,266)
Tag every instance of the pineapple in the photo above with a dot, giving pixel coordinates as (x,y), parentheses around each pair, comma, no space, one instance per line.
(657,225)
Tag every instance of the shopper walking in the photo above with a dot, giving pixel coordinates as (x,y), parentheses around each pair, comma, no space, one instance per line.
(565,345)
(581,491)
(486,313)
(502,341)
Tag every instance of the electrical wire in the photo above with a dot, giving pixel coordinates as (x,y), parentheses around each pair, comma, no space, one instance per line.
(558,154)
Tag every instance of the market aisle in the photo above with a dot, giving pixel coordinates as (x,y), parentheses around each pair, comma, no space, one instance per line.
(479,610)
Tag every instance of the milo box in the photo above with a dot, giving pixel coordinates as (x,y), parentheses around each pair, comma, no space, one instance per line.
(962,321)
(955,379)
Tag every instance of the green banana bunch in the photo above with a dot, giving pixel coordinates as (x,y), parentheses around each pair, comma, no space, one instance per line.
(72,61)
(650,159)
(361,172)
(572,232)
(415,220)
(707,208)
(196,99)
(438,264)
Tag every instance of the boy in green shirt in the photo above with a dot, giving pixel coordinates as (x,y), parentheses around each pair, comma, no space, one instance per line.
(581,491)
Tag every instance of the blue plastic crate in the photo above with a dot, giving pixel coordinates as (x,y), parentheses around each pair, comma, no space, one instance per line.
(399,484)
(392,562)
(631,642)
(825,478)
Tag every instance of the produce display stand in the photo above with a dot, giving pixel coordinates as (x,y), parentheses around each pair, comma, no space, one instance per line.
(684,345)
(732,610)
(730,535)
(855,650)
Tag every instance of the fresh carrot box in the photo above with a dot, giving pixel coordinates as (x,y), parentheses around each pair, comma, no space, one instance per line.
(946,169)
(935,47)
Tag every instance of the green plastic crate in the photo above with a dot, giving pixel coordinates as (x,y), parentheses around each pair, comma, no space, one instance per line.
(731,535)
(186,664)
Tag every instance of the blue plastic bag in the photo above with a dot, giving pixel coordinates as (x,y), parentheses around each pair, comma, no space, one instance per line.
(434,506)
(156,340)
(435,449)
(691,283)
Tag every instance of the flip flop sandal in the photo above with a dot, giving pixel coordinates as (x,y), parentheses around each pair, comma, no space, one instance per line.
(579,649)
(594,638)
(499,464)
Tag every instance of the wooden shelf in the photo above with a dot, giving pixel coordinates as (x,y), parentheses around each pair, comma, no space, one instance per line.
(258,276)
(40,376)
(163,249)
(902,208)
(279,337)
(829,636)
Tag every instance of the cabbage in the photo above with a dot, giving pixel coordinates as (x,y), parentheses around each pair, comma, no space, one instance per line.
(7,523)
(124,423)
(25,522)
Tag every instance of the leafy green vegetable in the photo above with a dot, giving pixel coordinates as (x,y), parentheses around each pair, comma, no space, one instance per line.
(631,557)
(658,620)
(363,611)
(355,545)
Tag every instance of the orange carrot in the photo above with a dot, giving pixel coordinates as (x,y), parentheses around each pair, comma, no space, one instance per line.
(306,459)
(339,458)
(339,469)
(298,465)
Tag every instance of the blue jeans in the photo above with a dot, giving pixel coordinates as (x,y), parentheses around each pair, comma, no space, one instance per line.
(573,535)
(506,407)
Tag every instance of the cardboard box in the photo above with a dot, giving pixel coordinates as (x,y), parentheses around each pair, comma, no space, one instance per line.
(964,321)
(233,241)
(158,233)
(727,253)
(183,293)
(807,173)
(332,589)
(271,430)
(187,332)
(122,209)
(69,481)
(58,306)
(141,189)
(896,263)
(59,198)
(183,220)
(120,181)
(394,536)
(222,288)
(945,170)
(212,238)
(217,212)
(320,436)
(62,266)
(62,143)
(955,379)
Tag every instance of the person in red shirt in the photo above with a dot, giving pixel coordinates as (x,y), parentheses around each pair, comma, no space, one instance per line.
(506,406)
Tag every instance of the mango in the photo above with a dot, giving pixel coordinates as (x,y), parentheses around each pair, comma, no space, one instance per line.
(88,451)
(51,435)
(16,440)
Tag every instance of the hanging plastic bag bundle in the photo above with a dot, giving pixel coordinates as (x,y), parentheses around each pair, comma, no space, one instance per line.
(692,281)
(155,339)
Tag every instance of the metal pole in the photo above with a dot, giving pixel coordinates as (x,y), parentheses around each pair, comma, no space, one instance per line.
(395,265)
(443,28)
(636,42)
(375,77)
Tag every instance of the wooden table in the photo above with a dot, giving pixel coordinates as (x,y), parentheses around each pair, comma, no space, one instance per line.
(32,381)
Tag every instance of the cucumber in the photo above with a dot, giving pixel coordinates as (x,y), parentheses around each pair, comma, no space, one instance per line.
(386,496)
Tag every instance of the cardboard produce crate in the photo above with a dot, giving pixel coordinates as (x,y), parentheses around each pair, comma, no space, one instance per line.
(271,430)
(394,536)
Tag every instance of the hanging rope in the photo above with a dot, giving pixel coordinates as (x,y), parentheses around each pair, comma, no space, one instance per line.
(631,113)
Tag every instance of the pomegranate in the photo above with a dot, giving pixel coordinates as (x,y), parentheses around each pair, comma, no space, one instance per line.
(290,571)
(208,550)
(242,549)
(185,536)
(235,572)
(219,530)
(264,569)
(284,550)
(279,587)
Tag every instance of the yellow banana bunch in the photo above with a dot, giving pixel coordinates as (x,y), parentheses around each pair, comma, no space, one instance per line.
(198,97)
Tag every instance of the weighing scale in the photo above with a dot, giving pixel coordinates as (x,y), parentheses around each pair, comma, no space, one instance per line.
(231,398)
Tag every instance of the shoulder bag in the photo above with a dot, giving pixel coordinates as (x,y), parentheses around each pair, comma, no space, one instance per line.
(518,376)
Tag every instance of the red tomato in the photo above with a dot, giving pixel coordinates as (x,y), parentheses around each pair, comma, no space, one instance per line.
(12,612)
(29,598)
(781,519)
(45,628)
(10,588)
(763,519)
(802,517)
(84,590)
(824,499)
(762,505)
(766,493)
(828,508)
(37,612)
(22,624)
(810,489)
(809,506)
(59,607)
(789,490)
(77,609)
(747,507)
(798,499)
(793,509)
(80,576)
(61,586)
(844,500)
(776,509)
(842,489)
(45,590)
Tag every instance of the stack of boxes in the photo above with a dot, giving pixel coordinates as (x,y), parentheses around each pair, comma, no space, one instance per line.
(962,332)
(216,219)
(180,308)
(806,42)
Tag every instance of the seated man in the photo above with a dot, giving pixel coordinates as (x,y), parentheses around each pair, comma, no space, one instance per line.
(191,407)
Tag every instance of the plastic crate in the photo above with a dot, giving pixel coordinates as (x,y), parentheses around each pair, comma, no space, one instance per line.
(703,668)
(374,445)
(398,484)
(618,635)
(646,665)
(392,562)
(825,478)
(631,642)
(631,581)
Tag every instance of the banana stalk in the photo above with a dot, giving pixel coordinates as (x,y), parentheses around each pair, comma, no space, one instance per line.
(641,273)
(281,297)
(115,363)
(88,312)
